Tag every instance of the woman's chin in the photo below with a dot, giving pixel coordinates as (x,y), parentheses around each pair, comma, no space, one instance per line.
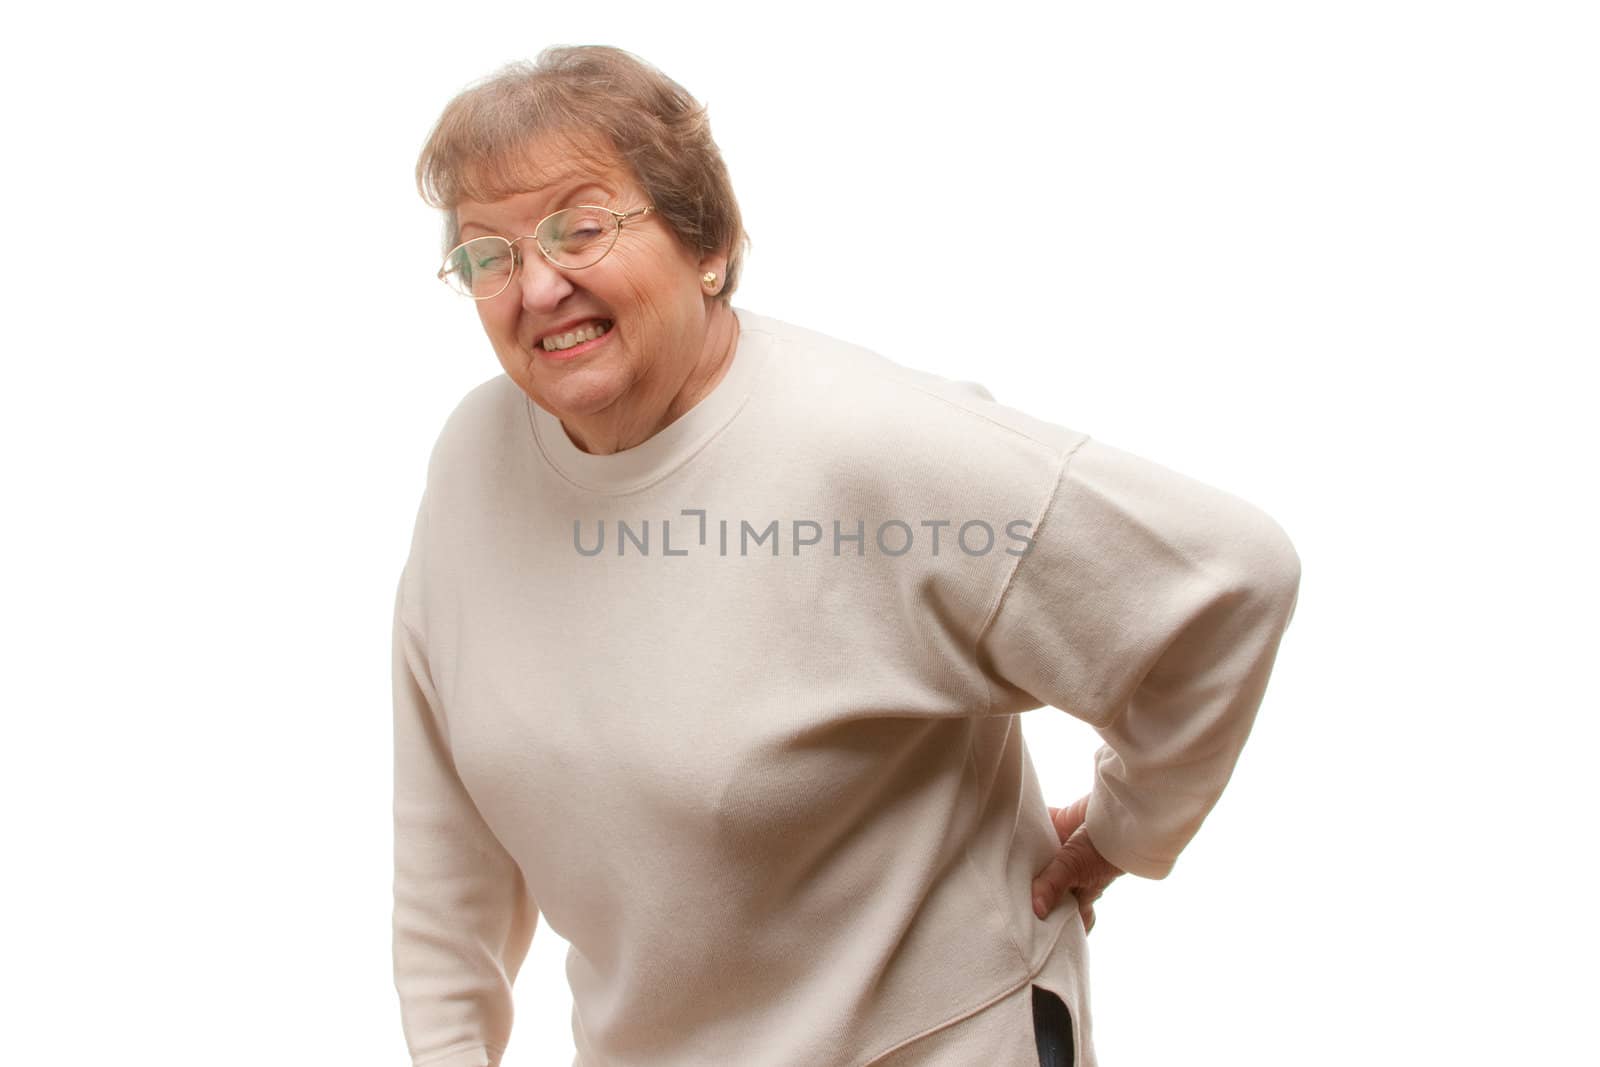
(576,393)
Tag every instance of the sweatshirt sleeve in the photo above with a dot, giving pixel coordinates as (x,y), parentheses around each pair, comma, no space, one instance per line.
(1151,606)
(463,918)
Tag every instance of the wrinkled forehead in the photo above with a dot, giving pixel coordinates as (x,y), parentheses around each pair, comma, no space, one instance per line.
(542,164)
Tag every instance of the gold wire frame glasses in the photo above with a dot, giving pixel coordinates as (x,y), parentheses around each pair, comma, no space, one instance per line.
(572,239)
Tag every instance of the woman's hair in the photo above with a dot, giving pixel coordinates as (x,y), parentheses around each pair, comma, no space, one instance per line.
(478,149)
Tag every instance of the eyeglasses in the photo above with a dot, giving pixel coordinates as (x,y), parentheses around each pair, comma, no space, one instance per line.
(572,238)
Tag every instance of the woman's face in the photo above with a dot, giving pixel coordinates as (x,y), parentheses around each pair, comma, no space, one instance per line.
(647,289)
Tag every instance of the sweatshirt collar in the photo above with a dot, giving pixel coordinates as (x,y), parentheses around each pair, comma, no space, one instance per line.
(671,447)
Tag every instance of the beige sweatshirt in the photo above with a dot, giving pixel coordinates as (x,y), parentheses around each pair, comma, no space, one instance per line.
(735,712)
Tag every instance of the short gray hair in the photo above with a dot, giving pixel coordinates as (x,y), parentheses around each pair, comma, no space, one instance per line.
(477,150)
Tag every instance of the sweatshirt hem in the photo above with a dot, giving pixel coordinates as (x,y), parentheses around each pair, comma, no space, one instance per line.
(965,1014)
(472,1054)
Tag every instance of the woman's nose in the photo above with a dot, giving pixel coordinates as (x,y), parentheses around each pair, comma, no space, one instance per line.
(543,285)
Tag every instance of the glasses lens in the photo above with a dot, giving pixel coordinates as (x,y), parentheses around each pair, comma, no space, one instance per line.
(578,236)
(480,268)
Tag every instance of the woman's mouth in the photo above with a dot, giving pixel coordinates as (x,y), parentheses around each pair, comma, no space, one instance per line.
(573,343)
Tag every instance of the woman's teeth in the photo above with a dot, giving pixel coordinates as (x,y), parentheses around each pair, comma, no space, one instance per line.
(557,342)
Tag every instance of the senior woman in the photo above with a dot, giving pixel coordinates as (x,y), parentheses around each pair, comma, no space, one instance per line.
(714,632)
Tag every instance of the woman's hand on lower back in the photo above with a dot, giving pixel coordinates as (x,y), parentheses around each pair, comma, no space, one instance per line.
(1077,867)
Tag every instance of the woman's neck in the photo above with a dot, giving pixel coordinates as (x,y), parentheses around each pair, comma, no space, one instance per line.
(631,427)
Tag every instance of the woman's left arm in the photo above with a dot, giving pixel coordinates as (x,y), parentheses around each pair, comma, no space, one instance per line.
(1151,606)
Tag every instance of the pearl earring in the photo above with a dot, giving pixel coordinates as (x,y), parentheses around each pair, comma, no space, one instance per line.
(710,278)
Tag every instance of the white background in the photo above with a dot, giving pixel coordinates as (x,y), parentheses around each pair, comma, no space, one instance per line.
(1339,259)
